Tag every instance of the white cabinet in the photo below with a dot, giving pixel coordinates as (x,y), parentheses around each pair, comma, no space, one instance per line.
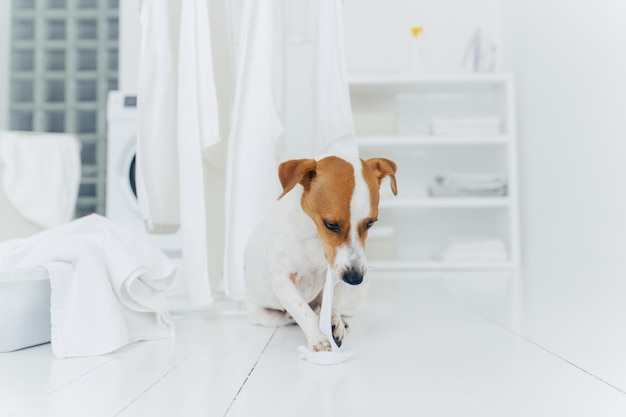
(445,127)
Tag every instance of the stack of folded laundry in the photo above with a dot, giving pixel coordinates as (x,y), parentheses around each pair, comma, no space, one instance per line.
(465,126)
(474,249)
(468,185)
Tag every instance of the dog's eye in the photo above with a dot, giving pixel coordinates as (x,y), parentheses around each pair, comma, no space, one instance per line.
(370,224)
(333,227)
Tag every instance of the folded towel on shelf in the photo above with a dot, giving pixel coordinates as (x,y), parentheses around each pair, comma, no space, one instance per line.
(439,191)
(108,285)
(465,126)
(41,175)
(474,249)
(470,181)
(468,185)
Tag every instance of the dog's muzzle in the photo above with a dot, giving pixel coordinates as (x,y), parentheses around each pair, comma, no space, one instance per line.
(352,277)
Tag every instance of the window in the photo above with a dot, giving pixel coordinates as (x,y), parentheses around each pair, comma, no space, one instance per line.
(57,82)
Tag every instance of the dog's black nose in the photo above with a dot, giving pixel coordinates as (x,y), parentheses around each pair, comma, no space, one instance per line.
(353,277)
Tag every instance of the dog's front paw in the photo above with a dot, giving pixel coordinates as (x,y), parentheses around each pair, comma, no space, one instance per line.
(319,343)
(339,326)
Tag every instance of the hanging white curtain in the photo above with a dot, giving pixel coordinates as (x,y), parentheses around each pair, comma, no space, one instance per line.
(255,143)
(251,182)
(179,126)
(187,105)
(157,166)
(335,125)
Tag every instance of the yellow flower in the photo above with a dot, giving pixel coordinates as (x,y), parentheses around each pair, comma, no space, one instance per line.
(416,30)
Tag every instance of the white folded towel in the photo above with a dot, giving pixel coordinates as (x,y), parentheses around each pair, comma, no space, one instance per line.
(41,175)
(470,181)
(112,293)
(474,249)
(465,126)
(440,191)
(471,185)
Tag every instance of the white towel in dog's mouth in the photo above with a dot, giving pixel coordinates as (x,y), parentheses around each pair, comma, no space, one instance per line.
(336,355)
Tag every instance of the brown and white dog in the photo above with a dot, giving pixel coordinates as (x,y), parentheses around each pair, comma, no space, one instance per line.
(320,220)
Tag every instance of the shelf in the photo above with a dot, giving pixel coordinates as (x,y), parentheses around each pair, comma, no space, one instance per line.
(446,202)
(407,83)
(438,265)
(428,140)
(395,114)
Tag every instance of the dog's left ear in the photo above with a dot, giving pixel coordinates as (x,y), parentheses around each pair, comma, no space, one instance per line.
(296,171)
(382,168)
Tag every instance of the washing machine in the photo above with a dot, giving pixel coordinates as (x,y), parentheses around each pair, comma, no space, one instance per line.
(121,197)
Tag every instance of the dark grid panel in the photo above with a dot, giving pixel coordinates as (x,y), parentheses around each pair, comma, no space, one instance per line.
(63,62)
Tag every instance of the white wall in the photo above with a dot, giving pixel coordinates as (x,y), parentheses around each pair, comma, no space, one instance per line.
(570,61)
(378,33)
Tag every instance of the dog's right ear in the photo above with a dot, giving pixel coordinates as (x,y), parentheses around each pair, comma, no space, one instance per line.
(296,171)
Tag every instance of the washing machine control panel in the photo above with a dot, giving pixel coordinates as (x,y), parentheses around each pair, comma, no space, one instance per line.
(121,107)
(130,101)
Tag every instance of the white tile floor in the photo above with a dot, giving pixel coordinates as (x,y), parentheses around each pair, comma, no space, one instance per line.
(551,343)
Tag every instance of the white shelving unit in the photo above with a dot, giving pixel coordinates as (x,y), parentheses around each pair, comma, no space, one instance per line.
(393,115)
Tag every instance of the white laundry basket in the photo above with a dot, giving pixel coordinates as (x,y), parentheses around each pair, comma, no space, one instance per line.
(24,308)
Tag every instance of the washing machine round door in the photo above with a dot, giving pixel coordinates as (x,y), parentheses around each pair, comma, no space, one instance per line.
(131,175)
(129,184)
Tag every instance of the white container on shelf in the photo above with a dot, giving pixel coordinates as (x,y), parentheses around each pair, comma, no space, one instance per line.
(375,123)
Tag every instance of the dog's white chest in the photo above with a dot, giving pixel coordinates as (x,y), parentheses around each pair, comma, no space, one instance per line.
(285,245)
(310,282)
